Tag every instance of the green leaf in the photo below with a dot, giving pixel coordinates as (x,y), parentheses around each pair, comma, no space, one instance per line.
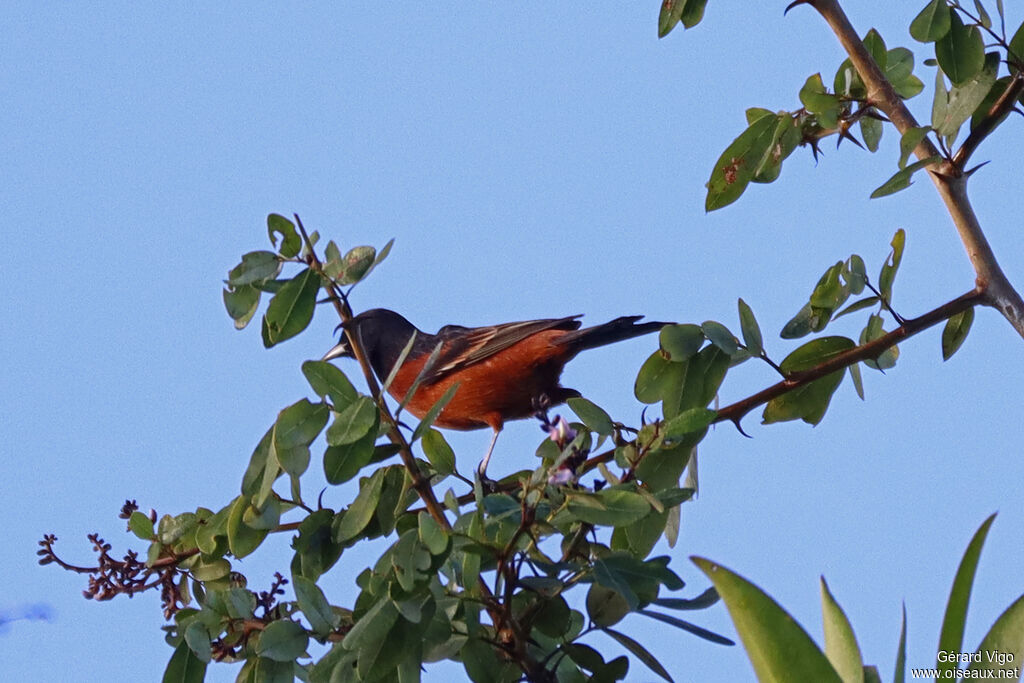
(299,424)
(353,422)
(951,638)
(658,376)
(750,330)
(829,293)
(871,131)
(680,342)
(964,99)
(693,12)
(901,179)
(640,652)
(719,335)
(141,525)
(817,101)
(318,612)
(961,52)
(739,163)
(256,266)
(858,381)
(361,511)
(609,507)
(198,638)
(872,331)
(900,673)
(840,643)
(778,647)
(814,353)
(282,641)
(291,241)
(909,141)
(592,415)
(1017,45)
(241,303)
(687,422)
(329,381)
(242,538)
(955,332)
(866,302)
(291,309)
(671,12)
(438,452)
(887,275)
(706,599)
(982,15)
(941,101)
(932,23)
(184,666)
(1003,646)
(808,403)
(356,264)
(876,46)
(433,412)
(432,535)
(900,72)
(341,463)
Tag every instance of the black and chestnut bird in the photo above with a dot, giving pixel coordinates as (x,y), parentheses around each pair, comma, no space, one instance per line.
(502,370)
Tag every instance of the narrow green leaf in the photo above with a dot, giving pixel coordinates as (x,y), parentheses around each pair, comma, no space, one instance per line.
(778,647)
(671,12)
(641,653)
(961,52)
(1003,646)
(900,673)
(887,275)
(941,101)
(693,12)
(982,14)
(866,302)
(901,179)
(688,627)
(592,415)
(687,422)
(291,309)
(361,511)
(433,412)
(876,46)
(858,381)
(932,23)
(609,507)
(706,599)
(951,638)
(955,332)
(840,643)
(750,329)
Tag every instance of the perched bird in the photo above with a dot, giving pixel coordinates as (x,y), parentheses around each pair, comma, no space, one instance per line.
(503,371)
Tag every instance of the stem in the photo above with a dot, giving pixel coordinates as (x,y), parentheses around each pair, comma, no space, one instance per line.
(947,177)
(735,412)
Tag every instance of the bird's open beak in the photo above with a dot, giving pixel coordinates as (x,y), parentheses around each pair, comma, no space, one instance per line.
(339,350)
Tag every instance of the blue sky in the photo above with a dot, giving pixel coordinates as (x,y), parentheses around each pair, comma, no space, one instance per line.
(535,160)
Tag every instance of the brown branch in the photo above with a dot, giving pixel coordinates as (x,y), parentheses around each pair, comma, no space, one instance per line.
(1000,109)
(869,351)
(949,179)
(419,482)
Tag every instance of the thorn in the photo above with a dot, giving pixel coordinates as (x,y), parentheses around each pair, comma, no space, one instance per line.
(967,174)
(794,4)
(845,134)
(320,499)
(739,428)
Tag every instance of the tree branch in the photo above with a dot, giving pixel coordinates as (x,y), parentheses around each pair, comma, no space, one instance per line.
(871,350)
(948,177)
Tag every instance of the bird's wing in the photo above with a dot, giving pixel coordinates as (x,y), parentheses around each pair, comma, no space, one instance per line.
(465,346)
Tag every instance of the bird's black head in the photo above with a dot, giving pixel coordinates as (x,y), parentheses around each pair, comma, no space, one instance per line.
(382,334)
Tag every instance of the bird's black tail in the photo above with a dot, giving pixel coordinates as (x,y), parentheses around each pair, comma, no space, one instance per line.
(609,333)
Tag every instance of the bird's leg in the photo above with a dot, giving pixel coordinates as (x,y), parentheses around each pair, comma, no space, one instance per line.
(481,470)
